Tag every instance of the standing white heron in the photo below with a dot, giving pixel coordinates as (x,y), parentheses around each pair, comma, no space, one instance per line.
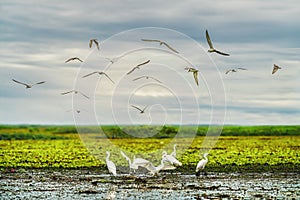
(110,165)
(201,165)
(170,159)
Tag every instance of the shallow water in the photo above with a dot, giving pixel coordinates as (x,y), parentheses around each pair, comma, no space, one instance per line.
(86,184)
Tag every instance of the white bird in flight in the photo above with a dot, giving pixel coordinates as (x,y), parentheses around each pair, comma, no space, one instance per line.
(138,67)
(100,73)
(275,69)
(94,41)
(146,77)
(235,70)
(201,164)
(110,165)
(161,43)
(28,85)
(195,73)
(73,58)
(211,47)
(141,110)
(75,92)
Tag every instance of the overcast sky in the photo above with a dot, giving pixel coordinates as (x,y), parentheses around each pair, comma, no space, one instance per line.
(38,36)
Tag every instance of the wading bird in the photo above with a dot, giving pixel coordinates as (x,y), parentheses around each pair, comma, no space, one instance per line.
(28,85)
(146,77)
(161,43)
(100,73)
(174,151)
(110,165)
(94,41)
(141,111)
(75,92)
(155,170)
(195,73)
(201,165)
(211,47)
(136,162)
(235,70)
(74,58)
(275,69)
(170,159)
(138,67)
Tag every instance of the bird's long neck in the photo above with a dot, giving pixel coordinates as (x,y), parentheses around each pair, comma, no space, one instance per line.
(159,167)
(205,157)
(174,149)
(107,157)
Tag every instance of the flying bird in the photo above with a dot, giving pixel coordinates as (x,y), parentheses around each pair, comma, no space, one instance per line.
(94,41)
(275,69)
(110,165)
(161,43)
(28,85)
(146,77)
(195,73)
(74,58)
(138,67)
(141,111)
(75,92)
(201,164)
(235,70)
(100,73)
(211,47)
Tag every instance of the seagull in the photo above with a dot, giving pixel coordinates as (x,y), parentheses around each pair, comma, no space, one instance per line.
(195,73)
(147,77)
(74,58)
(235,70)
(170,159)
(201,164)
(75,92)
(275,69)
(95,41)
(28,85)
(138,67)
(161,43)
(100,73)
(110,165)
(141,111)
(212,49)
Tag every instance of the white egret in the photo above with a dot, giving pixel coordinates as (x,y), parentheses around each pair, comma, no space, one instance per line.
(174,151)
(201,164)
(170,159)
(136,163)
(110,165)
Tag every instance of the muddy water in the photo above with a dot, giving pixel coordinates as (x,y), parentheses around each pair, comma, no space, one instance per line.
(86,184)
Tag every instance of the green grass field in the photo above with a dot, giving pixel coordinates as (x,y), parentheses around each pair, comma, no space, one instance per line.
(253,150)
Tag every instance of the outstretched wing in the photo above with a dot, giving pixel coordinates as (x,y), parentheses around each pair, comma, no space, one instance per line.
(137,108)
(78,59)
(138,78)
(69,60)
(131,71)
(230,70)
(242,68)
(89,74)
(208,40)
(108,77)
(222,53)
(147,40)
(144,63)
(195,73)
(275,69)
(155,79)
(172,49)
(91,43)
(97,43)
(20,82)
(63,93)
(84,95)
(39,83)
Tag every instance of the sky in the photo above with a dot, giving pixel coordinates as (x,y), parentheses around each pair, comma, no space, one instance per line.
(38,36)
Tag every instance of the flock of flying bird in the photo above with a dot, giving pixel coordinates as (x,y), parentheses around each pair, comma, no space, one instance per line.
(139,162)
